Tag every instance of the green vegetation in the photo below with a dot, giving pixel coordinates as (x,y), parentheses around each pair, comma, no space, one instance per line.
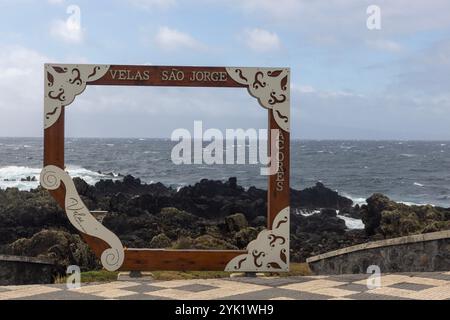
(297,269)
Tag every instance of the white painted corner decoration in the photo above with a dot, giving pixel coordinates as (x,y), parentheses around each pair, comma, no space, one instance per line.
(81,218)
(271,87)
(63,83)
(269,252)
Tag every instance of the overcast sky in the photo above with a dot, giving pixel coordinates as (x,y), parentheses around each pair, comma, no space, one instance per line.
(347,81)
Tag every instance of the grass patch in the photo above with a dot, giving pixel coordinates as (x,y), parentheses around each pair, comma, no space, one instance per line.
(296,269)
(93,276)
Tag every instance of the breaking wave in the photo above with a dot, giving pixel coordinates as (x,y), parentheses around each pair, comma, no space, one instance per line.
(27,178)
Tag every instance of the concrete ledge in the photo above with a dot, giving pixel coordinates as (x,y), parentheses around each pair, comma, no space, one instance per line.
(383,243)
(18,270)
(10,258)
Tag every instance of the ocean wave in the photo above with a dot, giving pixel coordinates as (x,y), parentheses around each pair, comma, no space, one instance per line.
(418,184)
(409,203)
(14,176)
(356,200)
(306,212)
(352,223)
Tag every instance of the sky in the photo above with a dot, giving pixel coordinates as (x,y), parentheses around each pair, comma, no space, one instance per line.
(347,81)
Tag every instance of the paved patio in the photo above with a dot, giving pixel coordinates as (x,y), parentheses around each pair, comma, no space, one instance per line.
(434,286)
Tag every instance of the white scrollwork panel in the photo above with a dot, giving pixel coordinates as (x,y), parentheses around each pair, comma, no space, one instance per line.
(63,83)
(81,218)
(271,87)
(269,252)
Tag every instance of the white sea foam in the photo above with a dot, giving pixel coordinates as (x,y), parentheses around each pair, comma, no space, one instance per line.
(418,184)
(14,174)
(352,223)
(306,213)
(356,200)
(409,203)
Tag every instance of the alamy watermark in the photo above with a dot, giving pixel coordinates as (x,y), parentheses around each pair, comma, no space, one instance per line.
(73,22)
(74,277)
(251,147)
(374,280)
(373,21)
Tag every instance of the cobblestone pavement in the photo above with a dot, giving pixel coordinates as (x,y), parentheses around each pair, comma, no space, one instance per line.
(434,285)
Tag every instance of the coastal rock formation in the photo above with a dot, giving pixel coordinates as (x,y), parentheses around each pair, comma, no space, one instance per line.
(319,196)
(236,222)
(371,213)
(320,232)
(389,219)
(59,246)
(160,241)
(324,221)
(207,215)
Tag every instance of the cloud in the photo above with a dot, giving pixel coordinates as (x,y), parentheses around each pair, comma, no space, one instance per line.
(21,76)
(261,40)
(425,73)
(308,89)
(302,88)
(276,8)
(61,30)
(343,115)
(69,30)
(171,39)
(385,45)
(153,4)
(345,20)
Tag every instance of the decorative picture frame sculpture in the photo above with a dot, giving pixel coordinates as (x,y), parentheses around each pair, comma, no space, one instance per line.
(270,86)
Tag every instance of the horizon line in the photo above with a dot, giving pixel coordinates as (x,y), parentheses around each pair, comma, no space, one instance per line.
(292,138)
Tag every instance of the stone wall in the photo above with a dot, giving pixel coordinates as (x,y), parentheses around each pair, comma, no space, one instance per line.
(418,253)
(18,270)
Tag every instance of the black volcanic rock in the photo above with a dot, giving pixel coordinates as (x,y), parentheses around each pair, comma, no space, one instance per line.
(371,213)
(326,220)
(60,246)
(132,186)
(319,196)
(236,222)
(203,215)
(139,212)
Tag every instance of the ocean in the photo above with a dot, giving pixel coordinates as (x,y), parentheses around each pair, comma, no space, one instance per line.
(413,172)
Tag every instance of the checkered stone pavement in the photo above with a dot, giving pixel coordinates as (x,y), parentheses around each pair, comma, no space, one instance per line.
(431,286)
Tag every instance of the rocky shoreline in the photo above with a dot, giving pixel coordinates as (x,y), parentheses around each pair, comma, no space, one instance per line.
(207,215)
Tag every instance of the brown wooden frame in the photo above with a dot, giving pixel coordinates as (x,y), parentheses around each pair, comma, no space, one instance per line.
(269,85)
